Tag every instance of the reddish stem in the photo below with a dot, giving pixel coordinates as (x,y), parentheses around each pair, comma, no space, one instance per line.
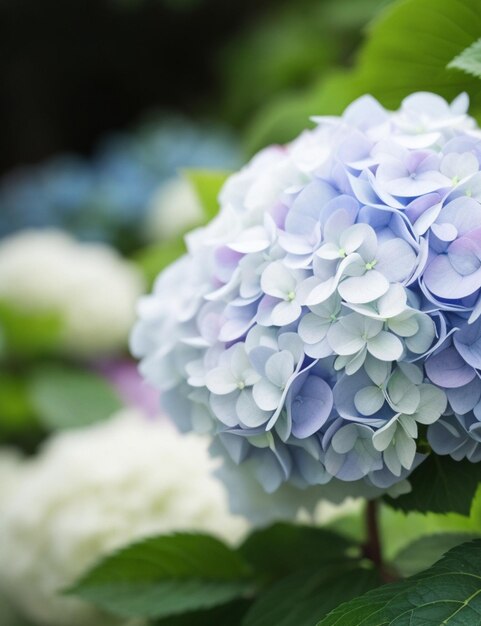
(373,548)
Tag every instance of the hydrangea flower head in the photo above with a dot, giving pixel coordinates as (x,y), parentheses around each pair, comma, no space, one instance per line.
(57,519)
(88,286)
(328,321)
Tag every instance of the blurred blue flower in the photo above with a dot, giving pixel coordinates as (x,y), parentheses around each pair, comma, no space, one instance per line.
(106,197)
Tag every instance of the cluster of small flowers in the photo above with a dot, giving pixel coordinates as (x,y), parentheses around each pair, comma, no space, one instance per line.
(92,491)
(321,323)
(88,286)
(107,198)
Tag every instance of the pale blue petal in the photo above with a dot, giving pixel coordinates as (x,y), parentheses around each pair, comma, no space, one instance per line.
(279,368)
(369,400)
(284,313)
(266,395)
(221,381)
(385,346)
(362,289)
(248,412)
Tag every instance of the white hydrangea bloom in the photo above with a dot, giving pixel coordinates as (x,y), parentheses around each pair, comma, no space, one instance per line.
(10,468)
(89,285)
(93,490)
(173,209)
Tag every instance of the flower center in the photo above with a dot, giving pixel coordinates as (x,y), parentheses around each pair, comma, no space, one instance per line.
(369,266)
(241,385)
(290,296)
(342,253)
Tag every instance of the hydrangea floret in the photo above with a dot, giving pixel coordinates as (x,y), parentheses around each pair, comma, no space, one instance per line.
(326,326)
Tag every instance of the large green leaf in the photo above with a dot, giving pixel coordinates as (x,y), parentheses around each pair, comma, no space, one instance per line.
(448,593)
(166,575)
(230,614)
(285,548)
(66,397)
(300,599)
(469,60)
(441,485)
(425,551)
(408,48)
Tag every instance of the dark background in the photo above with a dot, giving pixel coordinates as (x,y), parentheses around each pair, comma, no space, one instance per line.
(72,69)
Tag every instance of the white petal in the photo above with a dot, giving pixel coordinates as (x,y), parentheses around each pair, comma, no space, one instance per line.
(277,280)
(369,400)
(385,346)
(343,341)
(220,381)
(266,395)
(362,289)
(313,328)
(383,437)
(279,368)
(285,313)
(248,412)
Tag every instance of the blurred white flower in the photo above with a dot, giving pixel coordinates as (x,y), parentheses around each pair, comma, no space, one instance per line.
(173,209)
(10,467)
(93,490)
(89,285)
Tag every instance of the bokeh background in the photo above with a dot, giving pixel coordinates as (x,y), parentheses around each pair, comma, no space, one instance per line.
(117,120)
(107,110)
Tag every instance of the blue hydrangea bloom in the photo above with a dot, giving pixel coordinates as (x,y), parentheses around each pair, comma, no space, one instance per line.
(106,197)
(329,319)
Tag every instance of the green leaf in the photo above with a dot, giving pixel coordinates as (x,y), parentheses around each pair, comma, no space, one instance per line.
(153,259)
(231,614)
(207,185)
(28,334)
(425,551)
(407,49)
(64,397)
(302,598)
(410,44)
(441,485)
(166,575)
(447,593)
(469,60)
(285,548)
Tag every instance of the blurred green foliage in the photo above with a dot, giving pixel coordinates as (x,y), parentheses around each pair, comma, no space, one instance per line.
(154,258)
(408,48)
(289,48)
(25,334)
(69,397)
